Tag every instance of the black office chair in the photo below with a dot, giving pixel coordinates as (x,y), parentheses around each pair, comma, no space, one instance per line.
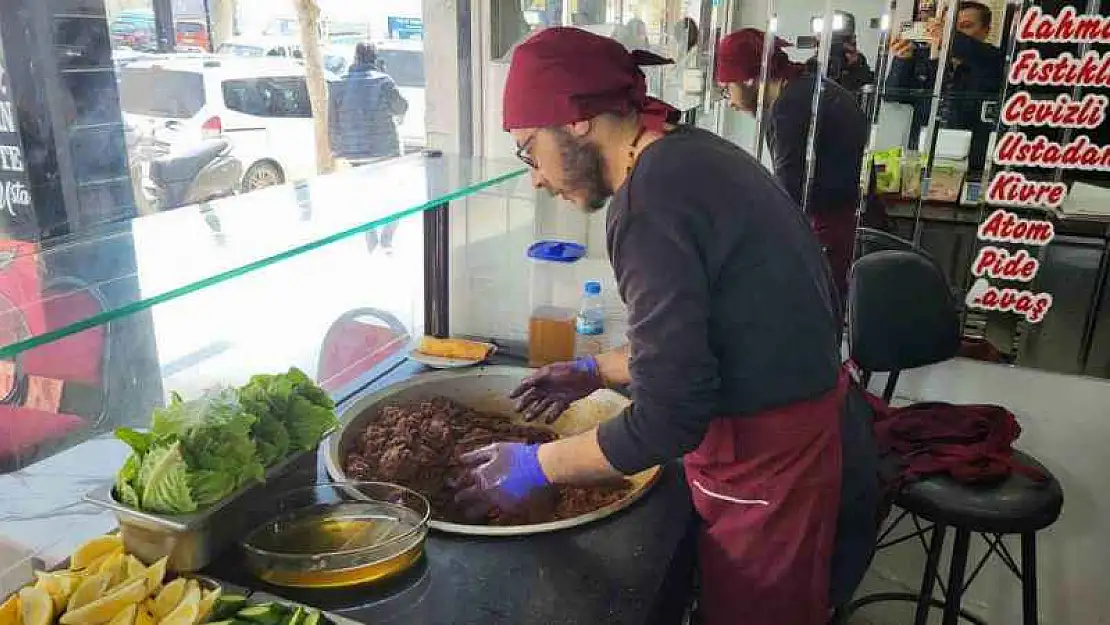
(869,240)
(902,315)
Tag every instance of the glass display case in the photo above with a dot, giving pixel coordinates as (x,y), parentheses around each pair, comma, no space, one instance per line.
(215,293)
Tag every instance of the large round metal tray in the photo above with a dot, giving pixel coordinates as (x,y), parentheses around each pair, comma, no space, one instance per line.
(487,389)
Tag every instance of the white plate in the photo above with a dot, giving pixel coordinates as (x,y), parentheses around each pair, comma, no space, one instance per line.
(439,362)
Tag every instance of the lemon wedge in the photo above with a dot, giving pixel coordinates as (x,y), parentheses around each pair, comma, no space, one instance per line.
(35,606)
(104,609)
(9,611)
(126,617)
(115,566)
(94,550)
(207,602)
(185,614)
(48,583)
(192,592)
(145,615)
(91,588)
(155,574)
(134,567)
(168,599)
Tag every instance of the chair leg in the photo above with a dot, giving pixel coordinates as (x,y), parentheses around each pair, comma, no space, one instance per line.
(929,579)
(956,574)
(1029,578)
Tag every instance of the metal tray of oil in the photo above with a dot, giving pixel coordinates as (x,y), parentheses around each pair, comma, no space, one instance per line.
(191,541)
(487,389)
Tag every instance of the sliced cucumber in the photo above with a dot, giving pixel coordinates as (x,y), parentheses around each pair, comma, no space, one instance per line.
(228,605)
(313,618)
(296,618)
(262,614)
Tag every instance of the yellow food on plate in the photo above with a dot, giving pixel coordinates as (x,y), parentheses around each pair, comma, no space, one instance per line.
(184,614)
(35,606)
(106,608)
(453,348)
(155,574)
(95,549)
(60,586)
(9,611)
(115,567)
(126,617)
(192,594)
(89,590)
(134,567)
(207,602)
(145,615)
(168,599)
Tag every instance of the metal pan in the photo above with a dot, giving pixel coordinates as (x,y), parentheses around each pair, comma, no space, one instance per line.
(487,389)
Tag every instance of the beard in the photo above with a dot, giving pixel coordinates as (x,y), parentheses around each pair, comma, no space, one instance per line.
(749,98)
(583,170)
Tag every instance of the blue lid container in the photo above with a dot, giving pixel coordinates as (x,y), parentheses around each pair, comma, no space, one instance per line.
(556,251)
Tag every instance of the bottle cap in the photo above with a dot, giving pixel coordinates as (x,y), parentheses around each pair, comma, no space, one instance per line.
(593,288)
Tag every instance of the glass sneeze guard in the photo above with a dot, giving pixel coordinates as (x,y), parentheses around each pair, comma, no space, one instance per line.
(188,249)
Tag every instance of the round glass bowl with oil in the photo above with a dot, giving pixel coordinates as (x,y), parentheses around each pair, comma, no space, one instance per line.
(339,534)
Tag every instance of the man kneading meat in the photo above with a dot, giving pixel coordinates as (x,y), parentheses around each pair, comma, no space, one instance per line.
(734,354)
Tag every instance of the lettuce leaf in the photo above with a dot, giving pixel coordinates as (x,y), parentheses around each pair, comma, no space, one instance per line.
(127,480)
(200,451)
(307,423)
(139,442)
(303,409)
(208,487)
(216,442)
(272,439)
(163,482)
(305,387)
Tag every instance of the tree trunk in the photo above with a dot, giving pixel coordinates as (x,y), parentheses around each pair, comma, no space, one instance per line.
(222,14)
(308,15)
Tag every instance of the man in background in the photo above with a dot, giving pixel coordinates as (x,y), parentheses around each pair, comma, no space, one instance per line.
(362,122)
(973,77)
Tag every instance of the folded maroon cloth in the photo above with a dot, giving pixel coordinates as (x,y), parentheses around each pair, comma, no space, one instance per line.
(971,443)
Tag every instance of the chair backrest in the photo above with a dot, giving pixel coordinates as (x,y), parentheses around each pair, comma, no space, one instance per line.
(901,313)
(870,240)
(357,342)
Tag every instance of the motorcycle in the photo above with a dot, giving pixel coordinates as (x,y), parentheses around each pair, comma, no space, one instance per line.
(199,173)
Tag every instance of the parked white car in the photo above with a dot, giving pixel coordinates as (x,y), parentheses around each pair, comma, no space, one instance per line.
(260,104)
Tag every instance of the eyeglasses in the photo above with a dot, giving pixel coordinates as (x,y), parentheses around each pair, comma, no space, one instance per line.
(522,151)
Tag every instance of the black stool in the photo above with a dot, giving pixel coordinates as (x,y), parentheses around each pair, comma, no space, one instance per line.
(902,315)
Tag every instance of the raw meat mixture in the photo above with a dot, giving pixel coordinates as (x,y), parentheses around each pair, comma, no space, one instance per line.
(418,445)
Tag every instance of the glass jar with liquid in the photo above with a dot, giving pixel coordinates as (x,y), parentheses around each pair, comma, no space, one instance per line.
(554,301)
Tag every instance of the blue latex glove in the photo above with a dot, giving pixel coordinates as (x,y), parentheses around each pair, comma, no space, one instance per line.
(547,393)
(506,476)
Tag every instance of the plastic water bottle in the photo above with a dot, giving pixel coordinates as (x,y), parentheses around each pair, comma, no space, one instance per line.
(589,323)
(591,316)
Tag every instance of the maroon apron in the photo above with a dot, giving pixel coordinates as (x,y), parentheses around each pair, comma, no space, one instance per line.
(836,230)
(767,487)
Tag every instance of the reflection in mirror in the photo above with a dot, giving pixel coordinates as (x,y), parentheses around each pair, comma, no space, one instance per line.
(668,28)
(816,157)
(939,125)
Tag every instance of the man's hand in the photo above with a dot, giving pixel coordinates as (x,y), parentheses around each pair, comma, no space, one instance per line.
(546,394)
(934,28)
(505,476)
(901,48)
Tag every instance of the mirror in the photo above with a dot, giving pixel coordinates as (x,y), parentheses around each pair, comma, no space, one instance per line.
(969,156)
